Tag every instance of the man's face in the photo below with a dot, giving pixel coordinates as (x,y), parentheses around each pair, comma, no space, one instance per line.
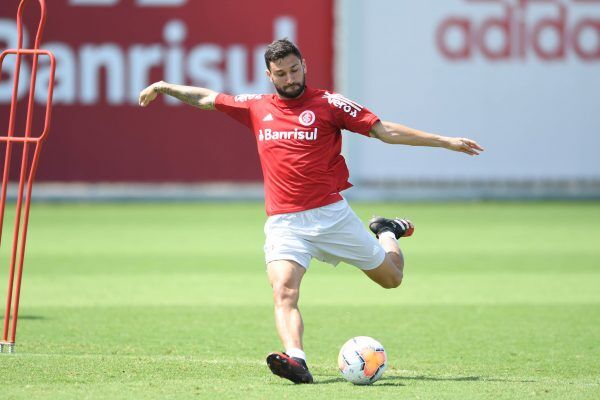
(288,75)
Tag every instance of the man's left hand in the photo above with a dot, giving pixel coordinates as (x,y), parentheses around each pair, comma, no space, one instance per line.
(464,145)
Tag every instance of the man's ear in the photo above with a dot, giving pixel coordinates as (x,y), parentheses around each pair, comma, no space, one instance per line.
(269,75)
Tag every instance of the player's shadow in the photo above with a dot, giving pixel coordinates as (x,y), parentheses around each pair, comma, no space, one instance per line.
(328,381)
(450,378)
(433,378)
(340,380)
(395,380)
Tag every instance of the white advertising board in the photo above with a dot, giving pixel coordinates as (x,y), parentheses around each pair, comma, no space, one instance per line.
(522,77)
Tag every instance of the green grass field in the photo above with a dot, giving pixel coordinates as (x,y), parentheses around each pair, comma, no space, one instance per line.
(153,301)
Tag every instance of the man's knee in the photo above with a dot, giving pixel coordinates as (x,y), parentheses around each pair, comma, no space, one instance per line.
(388,275)
(284,295)
(396,259)
(393,278)
(392,281)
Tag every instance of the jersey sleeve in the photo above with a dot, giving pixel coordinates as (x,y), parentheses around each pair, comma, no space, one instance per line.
(350,115)
(237,107)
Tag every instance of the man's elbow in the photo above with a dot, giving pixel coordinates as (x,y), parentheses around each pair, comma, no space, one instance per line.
(380,132)
(387,138)
(382,135)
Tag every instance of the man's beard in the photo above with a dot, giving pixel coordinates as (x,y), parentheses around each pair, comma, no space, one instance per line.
(299,88)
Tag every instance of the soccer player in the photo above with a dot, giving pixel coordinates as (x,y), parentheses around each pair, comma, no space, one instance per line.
(298,135)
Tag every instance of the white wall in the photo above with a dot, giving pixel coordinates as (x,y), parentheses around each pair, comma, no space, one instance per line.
(537,112)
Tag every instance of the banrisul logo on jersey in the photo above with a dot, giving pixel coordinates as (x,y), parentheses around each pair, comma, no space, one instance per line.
(521,30)
(107,51)
(296,134)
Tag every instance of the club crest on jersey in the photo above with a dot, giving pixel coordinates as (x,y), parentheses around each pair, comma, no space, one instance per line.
(307,118)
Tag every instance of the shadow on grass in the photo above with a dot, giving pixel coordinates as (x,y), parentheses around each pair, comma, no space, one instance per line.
(396,380)
(342,380)
(452,378)
(31,317)
(328,381)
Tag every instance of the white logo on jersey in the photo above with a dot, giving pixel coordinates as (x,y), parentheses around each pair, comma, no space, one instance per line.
(268,118)
(375,250)
(269,134)
(240,98)
(307,118)
(339,101)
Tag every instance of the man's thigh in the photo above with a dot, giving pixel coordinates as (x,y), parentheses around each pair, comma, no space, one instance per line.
(283,242)
(350,242)
(285,274)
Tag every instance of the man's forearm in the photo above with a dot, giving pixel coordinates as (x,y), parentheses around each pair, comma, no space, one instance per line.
(390,132)
(400,134)
(194,96)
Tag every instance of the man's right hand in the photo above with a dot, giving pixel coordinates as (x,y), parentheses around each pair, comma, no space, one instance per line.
(149,94)
(194,96)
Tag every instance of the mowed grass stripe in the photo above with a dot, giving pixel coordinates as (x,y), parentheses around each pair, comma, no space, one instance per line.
(319,288)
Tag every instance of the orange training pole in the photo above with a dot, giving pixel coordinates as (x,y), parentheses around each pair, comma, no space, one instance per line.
(27,171)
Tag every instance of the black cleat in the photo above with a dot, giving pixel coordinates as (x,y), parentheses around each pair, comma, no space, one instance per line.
(291,368)
(400,227)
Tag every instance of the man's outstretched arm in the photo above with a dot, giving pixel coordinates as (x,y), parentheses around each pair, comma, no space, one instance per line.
(390,132)
(194,96)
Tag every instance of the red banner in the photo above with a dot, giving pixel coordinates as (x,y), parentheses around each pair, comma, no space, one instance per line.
(108,50)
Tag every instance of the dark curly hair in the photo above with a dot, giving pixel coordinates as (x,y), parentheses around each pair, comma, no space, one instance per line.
(280,49)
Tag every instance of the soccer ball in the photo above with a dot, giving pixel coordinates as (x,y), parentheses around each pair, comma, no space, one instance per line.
(362,360)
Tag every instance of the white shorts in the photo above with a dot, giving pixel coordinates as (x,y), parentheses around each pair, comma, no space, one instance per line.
(331,233)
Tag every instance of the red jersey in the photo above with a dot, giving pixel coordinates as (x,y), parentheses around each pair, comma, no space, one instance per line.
(299,143)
